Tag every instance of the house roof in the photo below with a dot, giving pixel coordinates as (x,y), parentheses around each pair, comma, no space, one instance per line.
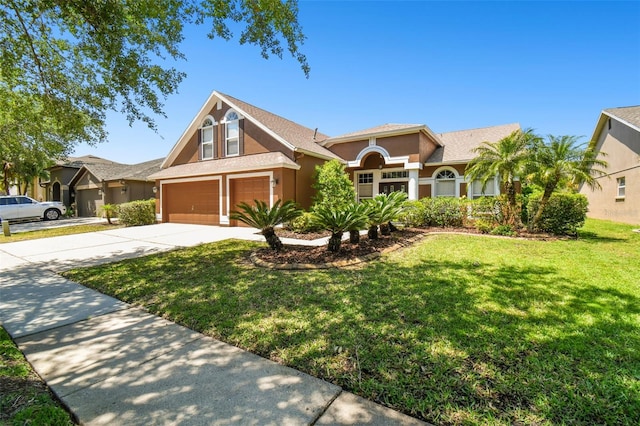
(262,161)
(292,135)
(629,115)
(115,171)
(77,162)
(385,130)
(458,146)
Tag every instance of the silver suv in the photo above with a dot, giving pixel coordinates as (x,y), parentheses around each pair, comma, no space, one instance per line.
(14,207)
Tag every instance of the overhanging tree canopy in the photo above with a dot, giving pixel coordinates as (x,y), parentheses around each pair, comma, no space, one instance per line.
(65,63)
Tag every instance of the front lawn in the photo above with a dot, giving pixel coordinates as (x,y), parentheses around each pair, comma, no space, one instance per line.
(455,330)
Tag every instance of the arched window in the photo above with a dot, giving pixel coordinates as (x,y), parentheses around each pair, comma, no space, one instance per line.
(232,134)
(445,183)
(207,136)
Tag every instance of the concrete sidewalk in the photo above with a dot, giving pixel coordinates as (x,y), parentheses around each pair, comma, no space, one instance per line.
(114,364)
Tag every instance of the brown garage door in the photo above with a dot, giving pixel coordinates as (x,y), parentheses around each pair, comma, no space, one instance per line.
(191,202)
(88,202)
(247,190)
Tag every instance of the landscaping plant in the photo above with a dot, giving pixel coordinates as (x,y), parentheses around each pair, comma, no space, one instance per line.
(381,210)
(333,187)
(339,221)
(137,213)
(110,211)
(260,216)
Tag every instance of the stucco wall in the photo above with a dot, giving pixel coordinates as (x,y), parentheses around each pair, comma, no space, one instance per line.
(622,146)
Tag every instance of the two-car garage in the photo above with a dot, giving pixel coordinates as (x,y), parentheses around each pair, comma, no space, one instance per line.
(200,201)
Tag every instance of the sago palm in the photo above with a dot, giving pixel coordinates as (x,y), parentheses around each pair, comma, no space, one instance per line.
(507,159)
(561,162)
(337,222)
(266,219)
(382,209)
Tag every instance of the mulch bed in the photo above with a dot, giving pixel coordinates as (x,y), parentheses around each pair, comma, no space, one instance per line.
(306,257)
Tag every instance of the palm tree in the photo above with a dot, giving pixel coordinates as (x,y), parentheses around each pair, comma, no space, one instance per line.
(354,230)
(337,222)
(382,209)
(507,159)
(562,162)
(266,219)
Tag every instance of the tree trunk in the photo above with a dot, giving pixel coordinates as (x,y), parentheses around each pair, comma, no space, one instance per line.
(335,241)
(384,229)
(392,227)
(372,233)
(514,215)
(544,200)
(354,237)
(272,239)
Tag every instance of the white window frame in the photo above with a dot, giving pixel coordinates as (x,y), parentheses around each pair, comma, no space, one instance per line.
(621,184)
(227,139)
(211,143)
(492,185)
(454,179)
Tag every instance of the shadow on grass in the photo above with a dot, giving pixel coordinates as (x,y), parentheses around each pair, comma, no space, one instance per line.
(449,342)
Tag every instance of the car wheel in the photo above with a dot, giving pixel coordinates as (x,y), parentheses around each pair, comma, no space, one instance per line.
(52,214)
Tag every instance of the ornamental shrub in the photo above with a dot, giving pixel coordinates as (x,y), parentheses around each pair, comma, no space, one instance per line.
(334,189)
(563,215)
(413,214)
(444,211)
(304,223)
(503,230)
(136,213)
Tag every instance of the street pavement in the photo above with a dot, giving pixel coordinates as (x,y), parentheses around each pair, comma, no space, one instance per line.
(112,363)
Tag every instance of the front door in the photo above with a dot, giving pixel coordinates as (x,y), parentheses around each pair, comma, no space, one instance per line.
(389,187)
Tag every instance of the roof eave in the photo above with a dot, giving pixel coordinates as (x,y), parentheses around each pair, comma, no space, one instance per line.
(382,134)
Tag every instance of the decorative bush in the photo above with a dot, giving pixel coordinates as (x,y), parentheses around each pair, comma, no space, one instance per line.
(334,189)
(413,213)
(503,230)
(489,209)
(304,223)
(137,213)
(563,215)
(444,211)
(485,226)
(109,211)
(260,215)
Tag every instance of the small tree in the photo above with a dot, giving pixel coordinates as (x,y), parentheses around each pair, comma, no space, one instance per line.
(561,163)
(110,211)
(339,221)
(333,187)
(266,219)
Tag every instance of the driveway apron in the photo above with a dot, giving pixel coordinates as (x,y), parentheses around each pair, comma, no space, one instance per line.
(112,363)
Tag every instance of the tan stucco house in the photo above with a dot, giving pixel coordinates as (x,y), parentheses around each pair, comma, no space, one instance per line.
(233,151)
(617,134)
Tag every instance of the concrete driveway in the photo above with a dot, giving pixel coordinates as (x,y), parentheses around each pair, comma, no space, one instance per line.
(70,251)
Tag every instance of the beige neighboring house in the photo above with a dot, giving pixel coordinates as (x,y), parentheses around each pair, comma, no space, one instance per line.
(617,134)
(100,183)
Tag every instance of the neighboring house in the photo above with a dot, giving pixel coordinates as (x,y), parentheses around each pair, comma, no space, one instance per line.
(100,183)
(233,151)
(617,134)
(58,187)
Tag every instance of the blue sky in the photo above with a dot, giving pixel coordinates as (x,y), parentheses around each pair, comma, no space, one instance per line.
(551,66)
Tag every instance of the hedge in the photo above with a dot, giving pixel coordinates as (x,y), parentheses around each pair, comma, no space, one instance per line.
(563,214)
(136,213)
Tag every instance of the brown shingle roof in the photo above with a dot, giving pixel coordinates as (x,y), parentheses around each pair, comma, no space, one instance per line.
(630,114)
(297,135)
(225,165)
(115,171)
(458,146)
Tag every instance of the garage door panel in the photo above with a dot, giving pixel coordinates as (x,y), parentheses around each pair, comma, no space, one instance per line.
(192,202)
(247,190)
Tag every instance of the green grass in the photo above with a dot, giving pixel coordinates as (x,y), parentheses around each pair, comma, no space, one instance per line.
(455,330)
(24,399)
(56,232)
